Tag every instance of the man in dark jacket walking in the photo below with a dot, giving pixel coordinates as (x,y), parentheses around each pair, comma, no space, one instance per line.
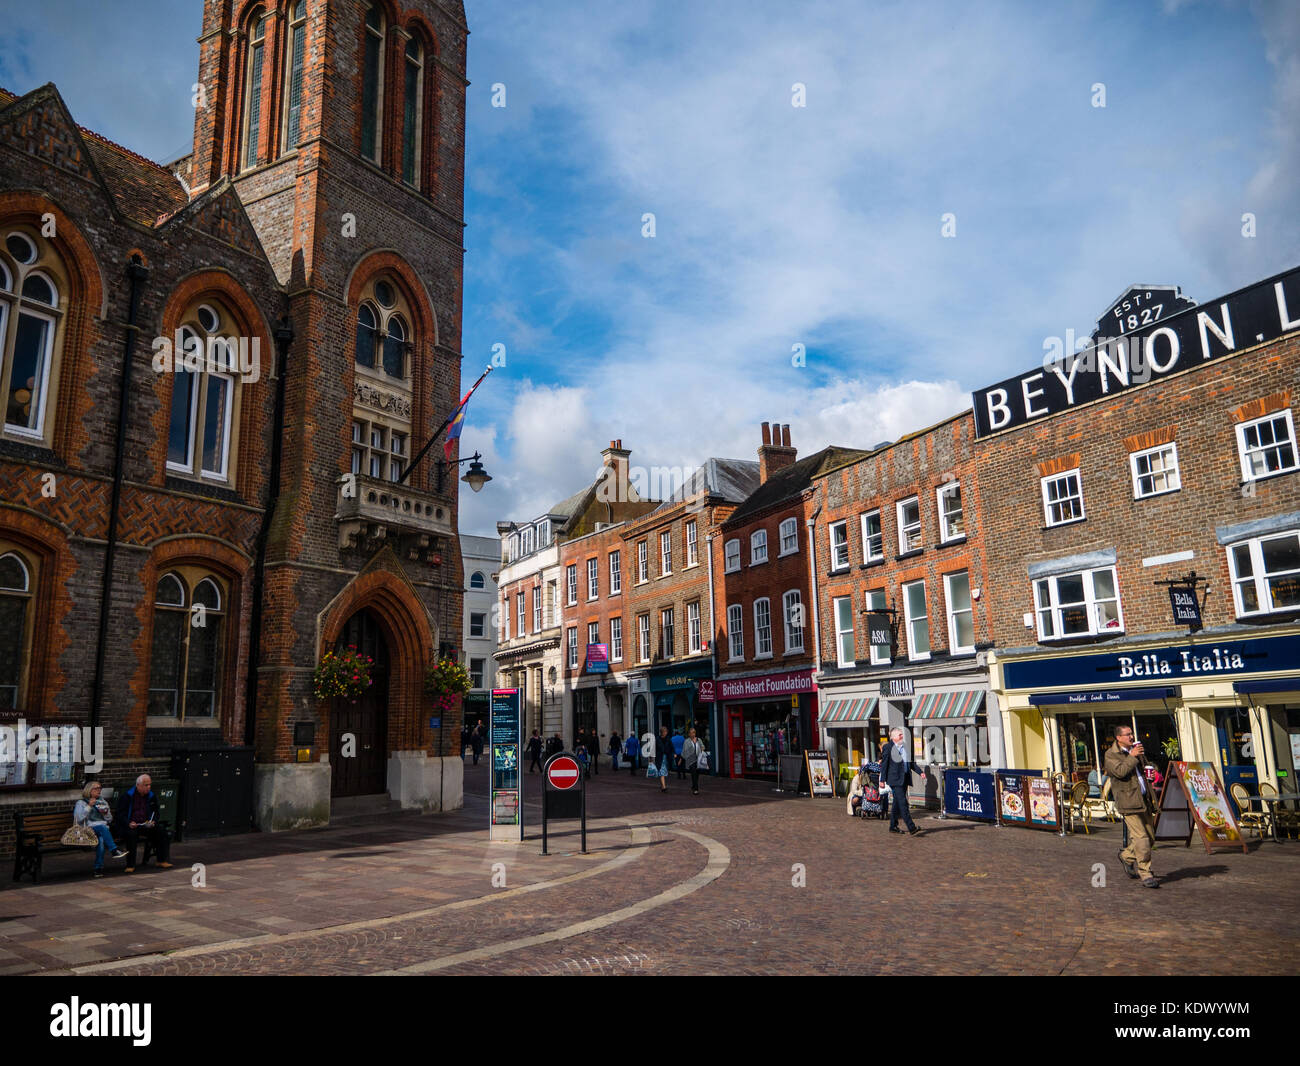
(896,770)
(1126,766)
(477,740)
(535,751)
(137,818)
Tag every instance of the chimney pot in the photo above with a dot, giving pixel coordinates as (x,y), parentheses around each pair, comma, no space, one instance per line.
(767,434)
(785,435)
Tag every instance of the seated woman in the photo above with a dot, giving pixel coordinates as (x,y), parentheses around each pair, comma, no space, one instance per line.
(95,813)
(854,801)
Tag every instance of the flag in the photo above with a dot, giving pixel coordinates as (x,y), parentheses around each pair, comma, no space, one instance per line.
(455,424)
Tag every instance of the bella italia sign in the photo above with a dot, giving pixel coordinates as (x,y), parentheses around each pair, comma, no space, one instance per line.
(1168,344)
(1221,658)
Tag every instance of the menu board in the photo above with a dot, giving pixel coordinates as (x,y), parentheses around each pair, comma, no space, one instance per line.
(1193,798)
(821,782)
(1026,798)
(506,808)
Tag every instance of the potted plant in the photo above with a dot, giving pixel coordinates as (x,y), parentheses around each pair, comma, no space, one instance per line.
(344,673)
(445,680)
(1171,747)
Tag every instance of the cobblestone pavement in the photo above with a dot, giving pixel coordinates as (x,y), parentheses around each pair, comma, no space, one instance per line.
(738,880)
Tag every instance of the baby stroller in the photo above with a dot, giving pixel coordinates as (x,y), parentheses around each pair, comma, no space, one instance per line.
(875,800)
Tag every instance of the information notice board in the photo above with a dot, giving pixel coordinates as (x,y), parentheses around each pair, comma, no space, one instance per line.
(1194,801)
(818,768)
(507,800)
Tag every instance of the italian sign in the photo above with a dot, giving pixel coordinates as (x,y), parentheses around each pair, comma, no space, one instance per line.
(1193,799)
(506,807)
(820,780)
(967,794)
(1187,611)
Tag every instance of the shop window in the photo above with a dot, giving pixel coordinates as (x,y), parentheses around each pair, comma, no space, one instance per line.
(477,623)
(643,637)
(844,631)
(1062,499)
(873,538)
(16,587)
(520,619)
(572,638)
(667,634)
(758,547)
(186,657)
(961,618)
(692,543)
(412,112)
(952,522)
(615,573)
(789,532)
(476,580)
(909,525)
(293,74)
(372,85)
(693,632)
(735,632)
(1267,446)
(839,545)
(731,557)
(1266,574)
(256,58)
(571,583)
(665,553)
(642,562)
(881,654)
(593,579)
(616,639)
(918,621)
(792,612)
(1155,471)
(205,399)
(762,628)
(30,337)
(1078,605)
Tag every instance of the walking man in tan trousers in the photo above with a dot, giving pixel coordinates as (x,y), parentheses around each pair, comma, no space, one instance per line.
(1125,763)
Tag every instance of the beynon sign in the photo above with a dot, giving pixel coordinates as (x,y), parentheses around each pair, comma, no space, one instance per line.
(1192,337)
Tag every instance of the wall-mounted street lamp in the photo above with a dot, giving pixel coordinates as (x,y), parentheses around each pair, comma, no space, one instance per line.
(476,477)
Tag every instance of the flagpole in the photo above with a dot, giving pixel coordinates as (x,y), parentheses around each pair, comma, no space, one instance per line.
(445,423)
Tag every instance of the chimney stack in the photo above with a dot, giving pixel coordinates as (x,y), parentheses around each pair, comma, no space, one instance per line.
(614,487)
(776,453)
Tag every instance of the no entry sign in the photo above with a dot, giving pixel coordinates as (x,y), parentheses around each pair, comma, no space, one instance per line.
(562,772)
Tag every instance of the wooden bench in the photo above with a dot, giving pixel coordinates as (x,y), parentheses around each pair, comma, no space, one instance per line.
(38,835)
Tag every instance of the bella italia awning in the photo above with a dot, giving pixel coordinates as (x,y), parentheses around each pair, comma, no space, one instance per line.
(952,708)
(848,712)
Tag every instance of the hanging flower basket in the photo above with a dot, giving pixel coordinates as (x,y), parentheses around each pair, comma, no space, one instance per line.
(345,674)
(445,681)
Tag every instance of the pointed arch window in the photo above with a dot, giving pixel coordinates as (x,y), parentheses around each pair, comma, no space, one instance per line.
(294,59)
(15,640)
(186,661)
(205,398)
(412,112)
(30,317)
(372,85)
(253,89)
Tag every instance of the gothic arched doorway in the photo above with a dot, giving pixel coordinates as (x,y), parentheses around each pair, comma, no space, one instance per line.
(359,768)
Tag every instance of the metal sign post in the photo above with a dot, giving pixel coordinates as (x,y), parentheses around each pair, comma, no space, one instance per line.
(564,794)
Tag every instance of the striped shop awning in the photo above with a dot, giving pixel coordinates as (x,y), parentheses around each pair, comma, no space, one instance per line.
(841,712)
(947,706)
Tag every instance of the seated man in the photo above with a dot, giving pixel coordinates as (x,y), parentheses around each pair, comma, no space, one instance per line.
(137,817)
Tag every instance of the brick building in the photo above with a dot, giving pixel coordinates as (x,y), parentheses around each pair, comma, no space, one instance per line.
(542,592)
(765,645)
(481,558)
(670,616)
(307,256)
(901,551)
(1166,453)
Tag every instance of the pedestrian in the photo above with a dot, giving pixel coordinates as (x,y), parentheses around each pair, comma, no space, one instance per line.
(663,753)
(476,741)
(1126,765)
(94,812)
(632,749)
(692,748)
(580,753)
(580,741)
(615,746)
(554,746)
(896,770)
(535,751)
(678,742)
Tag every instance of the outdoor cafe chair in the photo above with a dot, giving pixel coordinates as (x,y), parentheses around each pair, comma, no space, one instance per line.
(1261,823)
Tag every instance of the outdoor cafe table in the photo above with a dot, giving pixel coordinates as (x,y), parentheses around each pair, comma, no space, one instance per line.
(1273,802)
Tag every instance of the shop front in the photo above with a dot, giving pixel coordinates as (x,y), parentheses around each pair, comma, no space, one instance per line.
(765,716)
(1233,702)
(673,701)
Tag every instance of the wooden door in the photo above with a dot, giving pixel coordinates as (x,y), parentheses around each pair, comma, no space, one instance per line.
(359,728)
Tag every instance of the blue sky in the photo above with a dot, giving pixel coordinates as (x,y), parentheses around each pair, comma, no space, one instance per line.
(778,225)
